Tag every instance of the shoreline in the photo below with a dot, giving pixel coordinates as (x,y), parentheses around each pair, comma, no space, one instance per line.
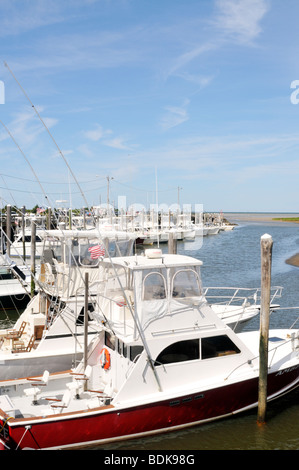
(293,260)
(275,217)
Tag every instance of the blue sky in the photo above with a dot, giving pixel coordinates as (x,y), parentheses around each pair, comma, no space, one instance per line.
(155,95)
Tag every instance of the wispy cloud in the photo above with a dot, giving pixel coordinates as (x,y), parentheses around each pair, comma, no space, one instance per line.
(184,59)
(97,133)
(240,19)
(237,21)
(31,15)
(174,116)
(117,143)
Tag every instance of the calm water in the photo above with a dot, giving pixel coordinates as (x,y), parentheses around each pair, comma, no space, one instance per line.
(233,259)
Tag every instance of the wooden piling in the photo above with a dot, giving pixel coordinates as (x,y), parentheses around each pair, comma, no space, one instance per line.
(266,260)
(8,228)
(172,243)
(33,252)
(85,353)
(49,218)
(23,209)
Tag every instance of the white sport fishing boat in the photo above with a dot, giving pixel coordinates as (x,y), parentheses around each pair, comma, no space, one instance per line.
(49,333)
(162,361)
(50,330)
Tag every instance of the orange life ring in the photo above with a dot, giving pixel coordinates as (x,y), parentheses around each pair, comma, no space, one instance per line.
(105,359)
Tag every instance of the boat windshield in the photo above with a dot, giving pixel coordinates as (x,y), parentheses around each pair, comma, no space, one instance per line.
(185,283)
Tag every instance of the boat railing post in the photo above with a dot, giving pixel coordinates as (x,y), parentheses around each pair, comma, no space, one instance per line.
(266,259)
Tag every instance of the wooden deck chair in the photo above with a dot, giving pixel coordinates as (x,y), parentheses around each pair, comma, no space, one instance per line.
(17,333)
(22,348)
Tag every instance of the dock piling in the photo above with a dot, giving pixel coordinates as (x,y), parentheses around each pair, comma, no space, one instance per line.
(266,260)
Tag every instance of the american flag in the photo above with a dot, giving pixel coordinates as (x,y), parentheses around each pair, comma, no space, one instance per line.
(96,251)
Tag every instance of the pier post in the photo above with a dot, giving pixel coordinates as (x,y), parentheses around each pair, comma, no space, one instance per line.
(33,251)
(23,211)
(8,228)
(49,218)
(172,243)
(85,325)
(266,260)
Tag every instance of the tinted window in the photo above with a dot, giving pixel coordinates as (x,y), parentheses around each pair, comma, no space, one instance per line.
(179,352)
(110,340)
(135,351)
(216,346)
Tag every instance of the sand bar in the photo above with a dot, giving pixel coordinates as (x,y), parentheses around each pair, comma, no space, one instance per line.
(234,217)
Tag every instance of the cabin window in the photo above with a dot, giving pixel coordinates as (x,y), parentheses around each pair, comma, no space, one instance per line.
(179,352)
(6,274)
(216,346)
(185,283)
(110,340)
(154,286)
(120,347)
(135,351)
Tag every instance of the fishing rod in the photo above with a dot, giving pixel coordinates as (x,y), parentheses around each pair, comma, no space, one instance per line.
(35,175)
(49,133)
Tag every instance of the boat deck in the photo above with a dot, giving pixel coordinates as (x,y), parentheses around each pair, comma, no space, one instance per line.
(57,396)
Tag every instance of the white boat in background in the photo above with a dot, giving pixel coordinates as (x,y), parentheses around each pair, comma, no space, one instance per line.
(236,306)
(227,227)
(162,361)
(212,229)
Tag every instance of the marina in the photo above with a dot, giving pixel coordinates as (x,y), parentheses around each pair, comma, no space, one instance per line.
(149,237)
(221,257)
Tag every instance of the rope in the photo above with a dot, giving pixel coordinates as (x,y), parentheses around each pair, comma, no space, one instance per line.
(26,429)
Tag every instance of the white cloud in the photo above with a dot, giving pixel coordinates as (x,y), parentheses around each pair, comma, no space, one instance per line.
(240,19)
(97,133)
(117,143)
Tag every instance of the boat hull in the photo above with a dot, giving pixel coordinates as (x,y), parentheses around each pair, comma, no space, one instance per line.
(114,423)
